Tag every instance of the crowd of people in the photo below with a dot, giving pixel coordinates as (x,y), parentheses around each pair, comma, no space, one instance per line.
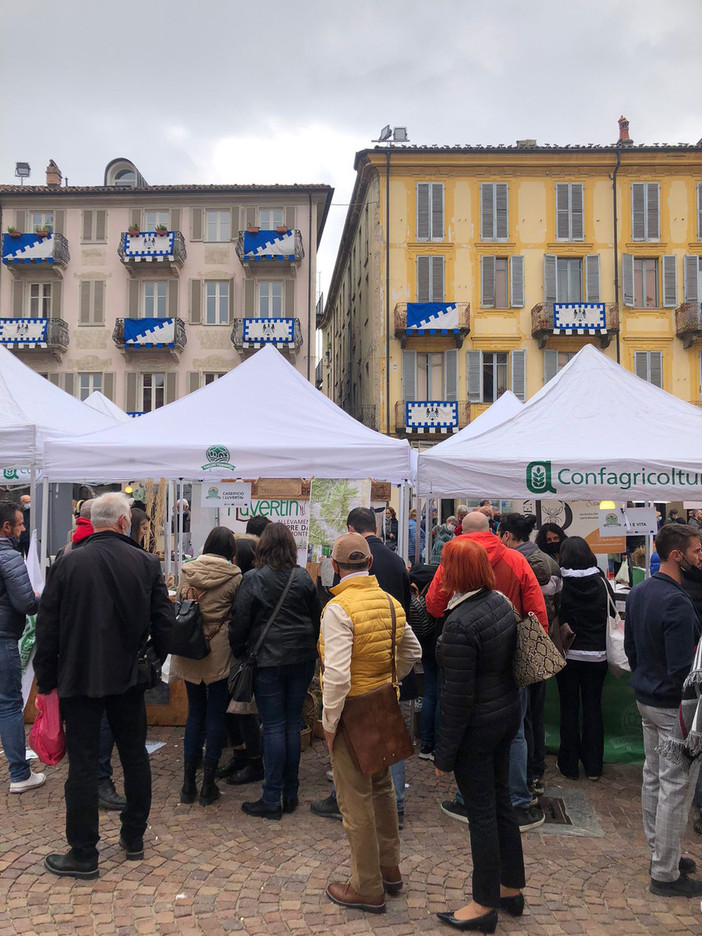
(105,619)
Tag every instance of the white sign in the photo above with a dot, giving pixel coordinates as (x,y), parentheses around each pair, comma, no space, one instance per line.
(628,521)
(226,495)
(577,316)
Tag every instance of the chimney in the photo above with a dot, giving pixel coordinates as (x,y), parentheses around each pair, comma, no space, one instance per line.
(624,133)
(53,174)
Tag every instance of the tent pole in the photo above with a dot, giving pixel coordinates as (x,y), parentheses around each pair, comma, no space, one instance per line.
(402,522)
(33,496)
(649,543)
(44,522)
(167,529)
(180,527)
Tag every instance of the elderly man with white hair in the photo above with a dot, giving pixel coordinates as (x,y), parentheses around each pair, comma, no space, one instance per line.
(101,605)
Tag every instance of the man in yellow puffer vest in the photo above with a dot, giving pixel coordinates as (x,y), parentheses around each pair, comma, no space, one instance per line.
(355,647)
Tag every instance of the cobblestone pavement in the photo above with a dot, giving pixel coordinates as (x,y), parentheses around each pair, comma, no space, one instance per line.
(214,870)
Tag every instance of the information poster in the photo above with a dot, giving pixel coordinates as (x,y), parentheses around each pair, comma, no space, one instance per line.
(294,513)
(577,518)
(330,503)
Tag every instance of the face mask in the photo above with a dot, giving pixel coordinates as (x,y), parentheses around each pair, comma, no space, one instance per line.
(552,549)
(685,565)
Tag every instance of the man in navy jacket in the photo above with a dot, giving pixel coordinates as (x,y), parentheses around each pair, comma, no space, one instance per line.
(662,628)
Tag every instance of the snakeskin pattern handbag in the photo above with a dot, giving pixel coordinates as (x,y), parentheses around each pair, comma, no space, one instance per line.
(536,656)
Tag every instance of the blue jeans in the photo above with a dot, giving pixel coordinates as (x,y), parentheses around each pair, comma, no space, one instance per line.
(430,704)
(280,692)
(207,705)
(11,707)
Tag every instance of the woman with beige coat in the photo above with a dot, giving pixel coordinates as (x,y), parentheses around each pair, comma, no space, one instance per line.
(214,579)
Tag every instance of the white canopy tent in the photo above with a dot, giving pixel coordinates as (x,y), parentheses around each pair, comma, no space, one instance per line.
(262,419)
(595,430)
(102,404)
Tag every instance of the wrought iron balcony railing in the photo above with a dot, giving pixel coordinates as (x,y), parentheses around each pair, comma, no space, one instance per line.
(443,319)
(574,318)
(688,322)
(435,417)
(152,247)
(253,333)
(30,334)
(150,334)
(277,246)
(24,251)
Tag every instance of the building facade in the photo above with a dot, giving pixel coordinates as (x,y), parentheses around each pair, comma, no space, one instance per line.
(147,293)
(467,271)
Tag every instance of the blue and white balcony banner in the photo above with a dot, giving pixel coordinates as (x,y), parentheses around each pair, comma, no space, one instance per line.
(431,416)
(579,318)
(148,246)
(150,332)
(259,331)
(269,245)
(27,248)
(432,318)
(23,332)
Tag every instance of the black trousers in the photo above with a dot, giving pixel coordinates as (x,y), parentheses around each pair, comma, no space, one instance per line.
(578,682)
(246,730)
(535,731)
(126,715)
(482,774)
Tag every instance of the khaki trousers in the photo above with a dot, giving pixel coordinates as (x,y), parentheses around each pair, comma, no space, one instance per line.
(369,815)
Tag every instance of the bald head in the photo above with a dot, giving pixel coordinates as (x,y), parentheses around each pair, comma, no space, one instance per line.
(475,522)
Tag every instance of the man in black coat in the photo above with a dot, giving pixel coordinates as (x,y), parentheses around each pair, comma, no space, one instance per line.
(99,607)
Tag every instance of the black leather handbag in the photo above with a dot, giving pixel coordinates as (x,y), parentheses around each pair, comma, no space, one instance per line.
(188,637)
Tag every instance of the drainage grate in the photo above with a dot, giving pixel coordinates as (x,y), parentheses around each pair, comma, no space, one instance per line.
(555,810)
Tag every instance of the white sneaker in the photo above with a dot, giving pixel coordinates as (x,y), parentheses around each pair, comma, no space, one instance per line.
(330,776)
(32,781)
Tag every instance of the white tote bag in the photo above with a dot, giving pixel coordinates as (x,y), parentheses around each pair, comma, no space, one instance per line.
(616,656)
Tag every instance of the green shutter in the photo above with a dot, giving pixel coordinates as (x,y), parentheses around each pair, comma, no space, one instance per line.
(195,301)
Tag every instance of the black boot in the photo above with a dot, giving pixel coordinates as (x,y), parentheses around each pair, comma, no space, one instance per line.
(189,790)
(210,791)
(237,761)
(252,773)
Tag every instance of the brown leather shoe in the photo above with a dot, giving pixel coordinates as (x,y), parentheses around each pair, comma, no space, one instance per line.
(345,896)
(392,879)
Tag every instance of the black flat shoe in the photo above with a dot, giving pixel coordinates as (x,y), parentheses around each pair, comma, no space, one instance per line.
(513,905)
(290,805)
(134,850)
(487,923)
(69,866)
(262,810)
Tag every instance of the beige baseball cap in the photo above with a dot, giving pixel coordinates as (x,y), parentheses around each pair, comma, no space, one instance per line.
(350,549)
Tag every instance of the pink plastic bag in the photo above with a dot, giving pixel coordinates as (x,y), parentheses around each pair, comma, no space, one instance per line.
(46,738)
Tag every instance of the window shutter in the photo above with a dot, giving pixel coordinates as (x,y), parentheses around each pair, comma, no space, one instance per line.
(474,379)
(236,223)
(451,374)
(422,211)
(133,305)
(437,279)
(519,374)
(576,211)
(670,281)
(423,279)
(437,211)
(21,220)
(549,278)
(98,302)
(173,299)
(516,271)
(691,267)
(562,215)
(652,211)
(290,298)
(56,296)
(84,302)
(100,225)
(638,215)
(641,364)
(656,367)
(250,216)
(136,216)
(18,299)
(175,219)
(171,384)
(108,386)
(487,282)
(59,221)
(502,210)
(290,217)
(195,301)
(55,379)
(550,365)
(250,310)
(131,394)
(193,381)
(196,224)
(69,383)
(592,278)
(231,301)
(628,279)
(409,375)
(487,211)
(87,225)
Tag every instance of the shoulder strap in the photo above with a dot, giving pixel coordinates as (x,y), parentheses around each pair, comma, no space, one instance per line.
(275,613)
(392,640)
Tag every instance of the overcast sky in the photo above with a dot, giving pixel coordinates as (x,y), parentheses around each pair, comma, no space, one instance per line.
(267,91)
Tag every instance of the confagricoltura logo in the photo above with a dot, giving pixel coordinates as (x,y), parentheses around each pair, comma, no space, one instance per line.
(217,457)
(541,478)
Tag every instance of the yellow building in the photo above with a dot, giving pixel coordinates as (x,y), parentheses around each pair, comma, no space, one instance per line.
(467,271)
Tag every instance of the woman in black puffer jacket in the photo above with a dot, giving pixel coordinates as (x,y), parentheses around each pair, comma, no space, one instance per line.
(480,715)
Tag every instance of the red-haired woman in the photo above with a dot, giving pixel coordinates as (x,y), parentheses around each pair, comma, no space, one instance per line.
(479,718)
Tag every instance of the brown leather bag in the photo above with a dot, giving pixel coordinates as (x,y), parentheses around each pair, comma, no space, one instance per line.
(372,723)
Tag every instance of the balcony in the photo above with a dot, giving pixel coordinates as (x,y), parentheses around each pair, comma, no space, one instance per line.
(250,334)
(259,249)
(432,417)
(25,253)
(34,334)
(139,252)
(443,319)
(150,334)
(688,323)
(574,318)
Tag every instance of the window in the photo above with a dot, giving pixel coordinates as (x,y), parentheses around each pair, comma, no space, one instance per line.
(42,220)
(153,392)
(217,302)
(491,373)
(645,224)
(87,384)
(91,305)
(209,378)
(430,211)
(39,295)
(429,375)
(640,281)
(649,366)
(94,226)
(126,178)
(430,279)
(555,361)
(269,218)
(494,211)
(693,278)
(569,279)
(569,211)
(218,226)
(502,282)
(645,283)
(155,304)
(563,278)
(153,218)
(270,300)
